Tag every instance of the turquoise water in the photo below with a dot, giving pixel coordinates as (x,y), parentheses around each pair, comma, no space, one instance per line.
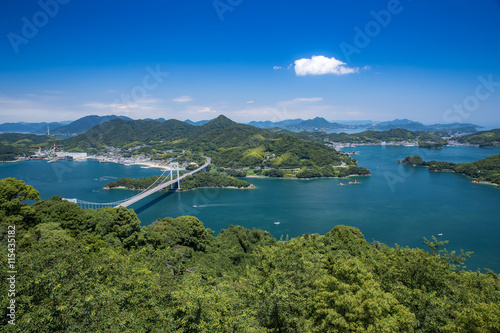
(397,204)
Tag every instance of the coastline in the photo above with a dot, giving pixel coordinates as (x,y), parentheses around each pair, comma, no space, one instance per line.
(481,182)
(251,187)
(295,178)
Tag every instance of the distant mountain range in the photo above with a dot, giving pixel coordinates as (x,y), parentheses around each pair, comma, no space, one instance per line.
(23,127)
(417,126)
(197,123)
(76,127)
(317,124)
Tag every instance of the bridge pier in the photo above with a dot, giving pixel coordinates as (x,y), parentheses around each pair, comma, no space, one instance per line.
(176,164)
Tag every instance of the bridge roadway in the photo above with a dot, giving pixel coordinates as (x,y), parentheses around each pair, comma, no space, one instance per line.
(162,185)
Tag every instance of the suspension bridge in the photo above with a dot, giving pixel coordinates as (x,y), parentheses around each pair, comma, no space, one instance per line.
(158,185)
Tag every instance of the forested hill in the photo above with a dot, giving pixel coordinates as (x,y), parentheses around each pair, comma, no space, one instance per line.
(228,143)
(100,271)
(487,169)
(13,145)
(371,136)
(118,133)
(483,139)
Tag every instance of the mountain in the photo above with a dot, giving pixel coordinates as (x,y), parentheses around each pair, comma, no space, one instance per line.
(161,120)
(119,132)
(84,124)
(417,126)
(24,127)
(398,122)
(228,143)
(271,124)
(197,123)
(361,123)
(317,124)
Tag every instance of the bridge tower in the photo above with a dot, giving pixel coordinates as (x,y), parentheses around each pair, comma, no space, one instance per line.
(174,164)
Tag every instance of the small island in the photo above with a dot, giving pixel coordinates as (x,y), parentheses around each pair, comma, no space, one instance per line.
(198,180)
(486,170)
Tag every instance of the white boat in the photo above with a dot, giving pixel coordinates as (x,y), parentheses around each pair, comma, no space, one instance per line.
(195,206)
(439,235)
(277,222)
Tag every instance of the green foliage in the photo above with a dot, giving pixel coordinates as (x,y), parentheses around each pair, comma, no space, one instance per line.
(9,152)
(483,139)
(99,271)
(136,183)
(276,173)
(185,231)
(209,179)
(14,211)
(370,136)
(487,169)
(236,173)
(349,299)
(413,160)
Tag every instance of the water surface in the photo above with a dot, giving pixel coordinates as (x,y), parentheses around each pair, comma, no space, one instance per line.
(397,204)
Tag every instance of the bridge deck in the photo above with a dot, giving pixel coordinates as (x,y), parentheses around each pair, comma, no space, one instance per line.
(162,186)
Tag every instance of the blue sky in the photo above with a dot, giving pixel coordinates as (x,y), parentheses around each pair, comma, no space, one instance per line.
(434,62)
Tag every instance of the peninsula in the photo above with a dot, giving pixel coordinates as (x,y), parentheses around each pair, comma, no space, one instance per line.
(486,170)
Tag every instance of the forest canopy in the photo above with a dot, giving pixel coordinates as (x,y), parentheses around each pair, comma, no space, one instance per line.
(487,169)
(99,270)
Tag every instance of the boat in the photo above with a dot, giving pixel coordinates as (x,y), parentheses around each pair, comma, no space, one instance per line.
(439,235)
(341,184)
(277,222)
(195,206)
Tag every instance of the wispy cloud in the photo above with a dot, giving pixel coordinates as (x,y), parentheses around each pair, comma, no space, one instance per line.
(321,65)
(206,109)
(249,102)
(183,99)
(19,109)
(54,92)
(299,107)
(277,67)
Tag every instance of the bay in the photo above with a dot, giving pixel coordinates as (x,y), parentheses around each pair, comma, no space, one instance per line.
(397,204)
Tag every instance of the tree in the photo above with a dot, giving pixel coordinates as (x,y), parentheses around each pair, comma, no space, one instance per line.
(349,299)
(14,211)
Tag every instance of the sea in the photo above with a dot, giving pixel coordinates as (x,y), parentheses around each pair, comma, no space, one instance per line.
(397,204)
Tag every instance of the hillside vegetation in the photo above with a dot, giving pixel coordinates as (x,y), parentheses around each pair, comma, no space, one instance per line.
(487,169)
(371,136)
(198,180)
(483,139)
(229,144)
(99,271)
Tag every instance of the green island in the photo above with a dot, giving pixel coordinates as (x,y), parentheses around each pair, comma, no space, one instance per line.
(485,170)
(100,271)
(198,180)
(424,139)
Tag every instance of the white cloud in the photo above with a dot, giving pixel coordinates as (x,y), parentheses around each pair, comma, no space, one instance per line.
(183,99)
(249,102)
(321,65)
(277,67)
(206,109)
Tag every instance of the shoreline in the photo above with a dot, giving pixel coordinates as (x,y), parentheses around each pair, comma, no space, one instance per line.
(481,182)
(295,178)
(251,187)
